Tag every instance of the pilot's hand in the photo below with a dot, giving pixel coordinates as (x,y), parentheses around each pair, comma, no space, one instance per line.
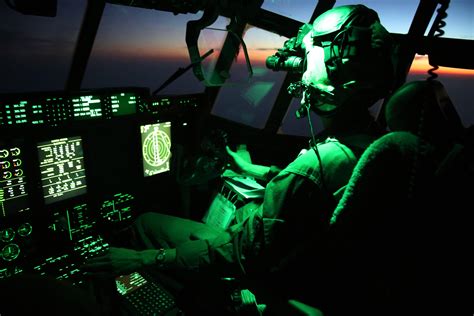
(239,162)
(119,261)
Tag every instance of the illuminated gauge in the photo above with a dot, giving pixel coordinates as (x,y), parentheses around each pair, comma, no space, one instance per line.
(25,229)
(156,148)
(5,164)
(15,151)
(4,153)
(18,172)
(4,273)
(7,234)
(10,252)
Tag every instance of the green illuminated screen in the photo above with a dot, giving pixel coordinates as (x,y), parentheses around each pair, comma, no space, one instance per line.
(156,148)
(86,107)
(123,104)
(61,163)
(13,112)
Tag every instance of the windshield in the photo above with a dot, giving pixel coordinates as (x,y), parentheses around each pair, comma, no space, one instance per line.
(142,47)
(36,52)
(139,47)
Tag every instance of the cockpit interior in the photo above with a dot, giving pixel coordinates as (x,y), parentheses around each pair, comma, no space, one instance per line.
(113,108)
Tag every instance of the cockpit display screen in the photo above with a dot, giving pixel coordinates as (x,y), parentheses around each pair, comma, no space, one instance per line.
(156,148)
(123,103)
(86,107)
(61,163)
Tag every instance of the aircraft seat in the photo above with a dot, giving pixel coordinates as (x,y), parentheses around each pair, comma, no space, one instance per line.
(398,235)
(425,109)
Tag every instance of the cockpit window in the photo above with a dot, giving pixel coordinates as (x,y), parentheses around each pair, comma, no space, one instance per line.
(36,51)
(249,99)
(142,47)
(460,20)
(458,83)
(300,10)
(388,12)
(456,80)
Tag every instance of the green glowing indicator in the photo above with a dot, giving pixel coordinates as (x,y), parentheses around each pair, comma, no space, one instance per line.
(13,195)
(2,199)
(86,107)
(123,104)
(156,148)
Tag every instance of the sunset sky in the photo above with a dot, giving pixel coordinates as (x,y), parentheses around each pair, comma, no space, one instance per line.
(127,32)
(144,47)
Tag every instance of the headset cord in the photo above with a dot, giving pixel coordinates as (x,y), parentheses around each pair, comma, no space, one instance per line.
(314,146)
(437,31)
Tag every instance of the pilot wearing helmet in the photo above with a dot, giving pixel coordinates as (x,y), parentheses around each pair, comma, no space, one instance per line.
(346,59)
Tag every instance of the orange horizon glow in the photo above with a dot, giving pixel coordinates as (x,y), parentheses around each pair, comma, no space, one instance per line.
(143,52)
(421,65)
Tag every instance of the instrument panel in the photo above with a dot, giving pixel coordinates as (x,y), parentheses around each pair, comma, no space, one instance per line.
(59,108)
(74,166)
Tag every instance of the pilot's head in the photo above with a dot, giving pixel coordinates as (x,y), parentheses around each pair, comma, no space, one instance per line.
(348,61)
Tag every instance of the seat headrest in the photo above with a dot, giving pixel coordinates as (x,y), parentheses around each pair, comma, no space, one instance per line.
(425,109)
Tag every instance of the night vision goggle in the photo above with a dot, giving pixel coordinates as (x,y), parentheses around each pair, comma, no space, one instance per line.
(291,57)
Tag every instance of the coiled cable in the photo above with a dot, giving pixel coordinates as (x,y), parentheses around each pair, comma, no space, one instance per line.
(437,31)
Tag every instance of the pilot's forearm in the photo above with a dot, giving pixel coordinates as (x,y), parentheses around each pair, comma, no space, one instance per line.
(262,172)
(189,255)
(242,164)
(193,254)
(257,171)
(149,258)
